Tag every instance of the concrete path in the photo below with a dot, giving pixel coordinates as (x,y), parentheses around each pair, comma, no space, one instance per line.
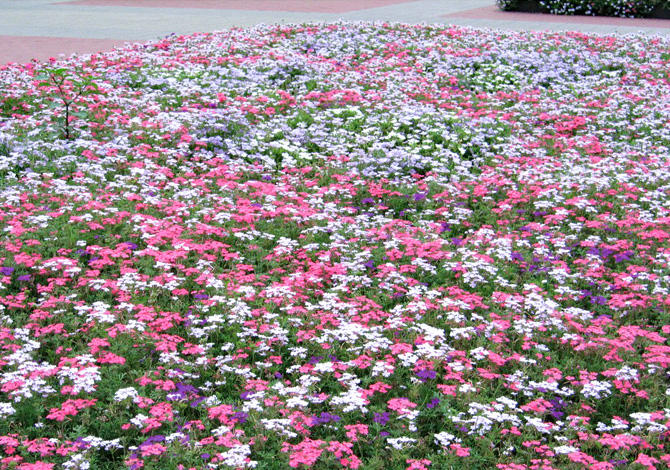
(39,29)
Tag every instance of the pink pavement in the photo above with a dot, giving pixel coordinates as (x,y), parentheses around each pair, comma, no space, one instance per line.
(21,49)
(494,13)
(307,6)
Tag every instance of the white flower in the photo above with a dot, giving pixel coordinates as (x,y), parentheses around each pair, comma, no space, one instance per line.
(565,449)
(123,393)
(400,442)
(237,457)
(443,439)
(597,389)
(6,409)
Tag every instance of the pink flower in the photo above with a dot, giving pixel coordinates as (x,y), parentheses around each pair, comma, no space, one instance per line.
(415,464)
(36,466)
(153,449)
(354,429)
(647,461)
(460,451)
(401,405)
(111,358)
(306,452)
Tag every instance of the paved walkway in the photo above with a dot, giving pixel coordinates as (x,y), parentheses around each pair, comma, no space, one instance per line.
(47,28)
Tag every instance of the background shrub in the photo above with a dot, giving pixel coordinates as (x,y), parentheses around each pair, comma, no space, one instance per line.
(621,8)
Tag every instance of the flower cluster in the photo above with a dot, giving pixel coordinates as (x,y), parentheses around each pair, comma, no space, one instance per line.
(339,246)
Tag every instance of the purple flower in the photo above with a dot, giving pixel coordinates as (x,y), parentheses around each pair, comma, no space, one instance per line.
(324,418)
(457,241)
(153,440)
(331,417)
(24,277)
(315,359)
(420,196)
(625,256)
(240,417)
(558,403)
(201,296)
(381,418)
(132,246)
(174,396)
(197,401)
(367,200)
(598,300)
(370,264)
(426,374)
(81,443)
(433,403)
(593,251)
(606,252)
(204,456)
(6,270)
(185,388)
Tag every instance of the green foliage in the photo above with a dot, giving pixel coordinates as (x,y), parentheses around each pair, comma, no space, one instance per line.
(67,87)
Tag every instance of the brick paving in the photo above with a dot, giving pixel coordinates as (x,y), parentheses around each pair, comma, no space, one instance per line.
(21,49)
(306,6)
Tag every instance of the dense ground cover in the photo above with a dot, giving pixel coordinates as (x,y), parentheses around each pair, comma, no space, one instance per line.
(338,246)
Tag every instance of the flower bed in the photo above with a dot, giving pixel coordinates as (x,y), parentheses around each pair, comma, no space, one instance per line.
(338,246)
(622,8)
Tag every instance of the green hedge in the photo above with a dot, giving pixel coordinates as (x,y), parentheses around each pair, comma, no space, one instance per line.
(622,8)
